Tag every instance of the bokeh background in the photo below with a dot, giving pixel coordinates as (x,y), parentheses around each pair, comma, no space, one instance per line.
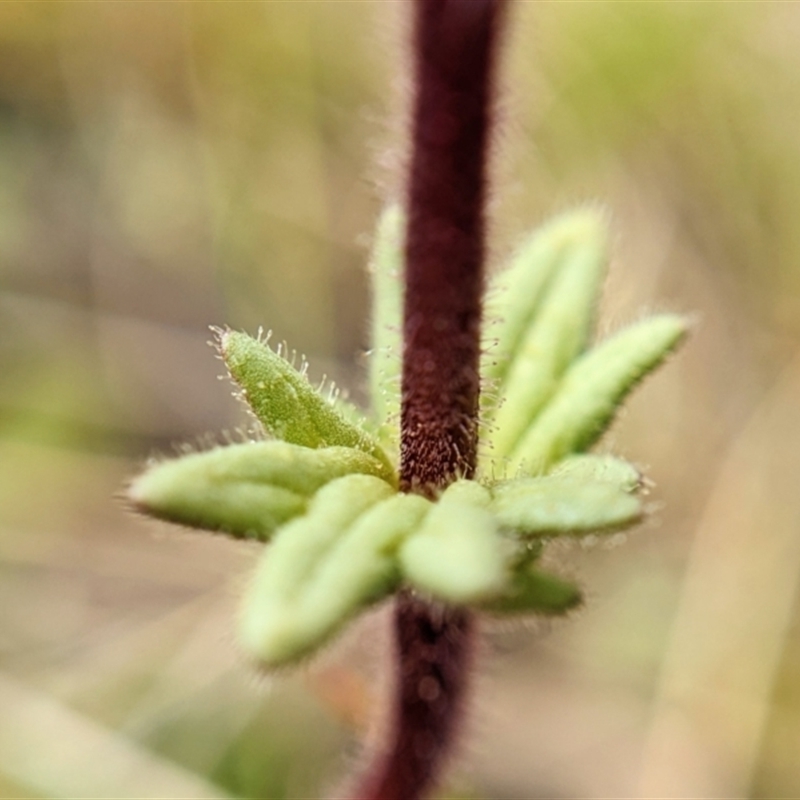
(165,166)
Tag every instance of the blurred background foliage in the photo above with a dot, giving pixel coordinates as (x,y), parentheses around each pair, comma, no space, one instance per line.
(165,166)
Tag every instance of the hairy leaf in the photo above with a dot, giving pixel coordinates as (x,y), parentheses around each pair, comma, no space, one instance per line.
(246,490)
(592,390)
(564,504)
(600,468)
(285,402)
(386,270)
(322,567)
(458,554)
(556,333)
(514,294)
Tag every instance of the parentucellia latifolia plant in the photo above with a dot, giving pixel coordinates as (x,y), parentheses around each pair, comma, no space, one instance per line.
(319,483)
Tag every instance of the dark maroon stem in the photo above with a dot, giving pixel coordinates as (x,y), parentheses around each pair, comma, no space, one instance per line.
(454,49)
(455,44)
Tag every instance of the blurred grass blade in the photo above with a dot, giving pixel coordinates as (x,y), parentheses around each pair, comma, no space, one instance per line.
(386,271)
(285,402)
(562,504)
(556,332)
(458,554)
(592,390)
(304,588)
(246,490)
(55,752)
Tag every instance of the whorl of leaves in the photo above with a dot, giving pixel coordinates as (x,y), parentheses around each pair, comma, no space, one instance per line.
(324,491)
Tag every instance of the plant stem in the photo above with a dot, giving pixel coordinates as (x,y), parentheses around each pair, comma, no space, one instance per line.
(454,46)
(454,53)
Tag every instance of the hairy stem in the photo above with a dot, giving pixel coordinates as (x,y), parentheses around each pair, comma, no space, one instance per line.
(455,43)
(445,240)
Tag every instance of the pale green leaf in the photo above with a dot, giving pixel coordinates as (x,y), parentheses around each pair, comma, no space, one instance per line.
(564,504)
(285,402)
(592,390)
(244,489)
(557,332)
(458,554)
(599,468)
(514,294)
(386,271)
(325,566)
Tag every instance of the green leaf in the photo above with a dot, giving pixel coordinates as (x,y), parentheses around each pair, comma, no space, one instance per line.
(564,504)
(246,490)
(515,293)
(534,591)
(323,567)
(592,390)
(458,554)
(285,402)
(349,411)
(556,333)
(386,271)
(600,468)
